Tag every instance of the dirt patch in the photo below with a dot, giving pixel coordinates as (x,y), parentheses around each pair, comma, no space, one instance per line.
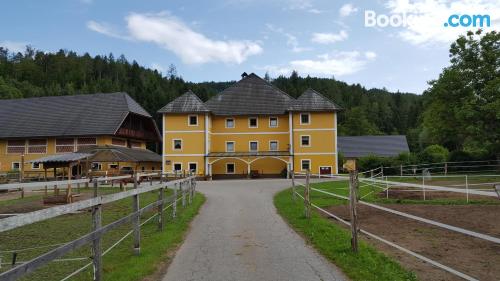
(475,257)
(34,205)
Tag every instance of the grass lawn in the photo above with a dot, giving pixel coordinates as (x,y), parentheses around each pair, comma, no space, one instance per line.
(333,242)
(119,263)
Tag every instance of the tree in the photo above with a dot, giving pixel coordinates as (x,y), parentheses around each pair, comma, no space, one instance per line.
(463,104)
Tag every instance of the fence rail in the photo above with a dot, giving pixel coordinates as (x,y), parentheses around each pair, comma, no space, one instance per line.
(353,200)
(186,187)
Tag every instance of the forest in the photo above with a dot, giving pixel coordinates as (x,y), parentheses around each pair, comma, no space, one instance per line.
(459,110)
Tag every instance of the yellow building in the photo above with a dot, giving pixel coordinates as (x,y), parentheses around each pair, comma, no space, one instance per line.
(250,129)
(35,128)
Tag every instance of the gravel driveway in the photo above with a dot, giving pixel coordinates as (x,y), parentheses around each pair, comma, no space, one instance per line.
(239,236)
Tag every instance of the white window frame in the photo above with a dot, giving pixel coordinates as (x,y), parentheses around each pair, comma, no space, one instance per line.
(277,145)
(173,166)
(99,166)
(173,145)
(33,166)
(234,123)
(27,149)
(302,166)
(7,148)
(189,120)
(309,145)
(234,146)
(196,169)
(256,122)
(308,117)
(234,168)
(12,166)
(250,146)
(277,121)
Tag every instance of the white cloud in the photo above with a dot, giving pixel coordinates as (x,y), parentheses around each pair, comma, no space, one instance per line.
(347,9)
(13,46)
(105,29)
(426,18)
(291,41)
(172,34)
(192,47)
(300,4)
(327,38)
(337,64)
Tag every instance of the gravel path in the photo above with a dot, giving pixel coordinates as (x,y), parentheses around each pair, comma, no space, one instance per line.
(239,236)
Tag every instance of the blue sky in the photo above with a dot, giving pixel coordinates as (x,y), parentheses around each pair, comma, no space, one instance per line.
(218,40)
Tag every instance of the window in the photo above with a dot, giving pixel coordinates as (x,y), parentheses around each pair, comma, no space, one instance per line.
(193,120)
(254,146)
(273,145)
(193,167)
(135,144)
(305,164)
(230,168)
(66,145)
(85,142)
(305,118)
(113,166)
(177,144)
(37,146)
(16,166)
(229,122)
(35,166)
(230,146)
(305,141)
(253,122)
(177,167)
(95,166)
(273,122)
(16,146)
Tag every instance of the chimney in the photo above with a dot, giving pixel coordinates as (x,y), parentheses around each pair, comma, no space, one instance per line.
(243,75)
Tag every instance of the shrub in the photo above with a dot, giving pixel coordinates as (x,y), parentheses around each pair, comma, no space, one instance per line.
(460,155)
(372,161)
(433,154)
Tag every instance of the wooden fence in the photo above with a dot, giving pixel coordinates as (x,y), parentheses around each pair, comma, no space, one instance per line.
(186,187)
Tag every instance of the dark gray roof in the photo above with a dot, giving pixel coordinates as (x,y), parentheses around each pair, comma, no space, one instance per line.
(110,153)
(360,146)
(250,95)
(67,157)
(311,100)
(78,115)
(188,102)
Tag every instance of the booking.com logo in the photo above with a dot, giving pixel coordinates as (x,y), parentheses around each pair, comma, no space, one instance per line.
(372,19)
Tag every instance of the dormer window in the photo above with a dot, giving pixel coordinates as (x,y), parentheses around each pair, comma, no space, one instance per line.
(193,120)
(305,119)
(253,122)
(229,122)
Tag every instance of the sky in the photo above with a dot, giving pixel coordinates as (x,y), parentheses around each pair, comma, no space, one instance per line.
(218,40)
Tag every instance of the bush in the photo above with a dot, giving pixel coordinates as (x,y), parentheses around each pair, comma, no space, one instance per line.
(433,154)
(372,161)
(460,156)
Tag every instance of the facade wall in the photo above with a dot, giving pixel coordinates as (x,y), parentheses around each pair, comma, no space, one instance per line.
(7,159)
(214,134)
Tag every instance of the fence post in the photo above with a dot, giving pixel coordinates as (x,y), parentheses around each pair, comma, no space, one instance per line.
(445,168)
(382,170)
(467,187)
(386,188)
(294,196)
(401,170)
(96,244)
(137,220)
(353,198)
(161,218)
(183,193)
(423,184)
(174,205)
(307,201)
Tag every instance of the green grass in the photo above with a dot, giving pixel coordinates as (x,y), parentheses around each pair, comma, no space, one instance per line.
(333,242)
(120,263)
